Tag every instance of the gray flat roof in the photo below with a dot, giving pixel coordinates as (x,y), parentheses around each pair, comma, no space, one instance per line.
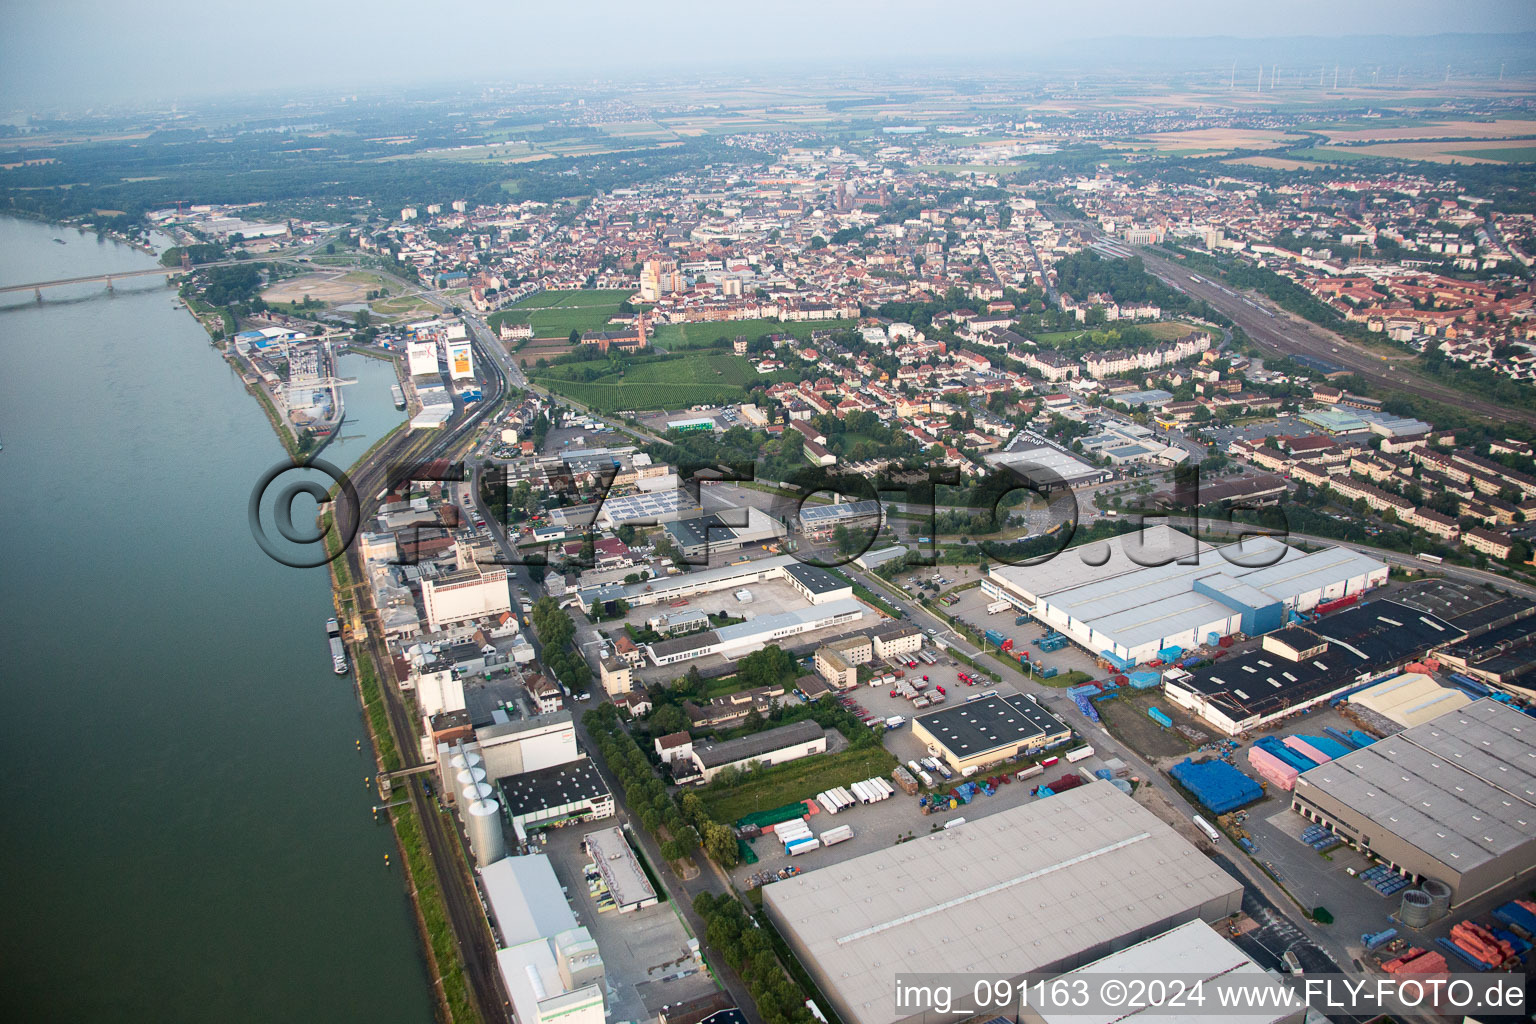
(977,726)
(1461,787)
(617,863)
(757,744)
(1028,888)
(815,579)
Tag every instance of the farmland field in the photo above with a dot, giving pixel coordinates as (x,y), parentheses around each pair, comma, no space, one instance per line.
(1499,129)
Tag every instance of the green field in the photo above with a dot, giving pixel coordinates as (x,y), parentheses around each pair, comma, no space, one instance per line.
(555,314)
(684,336)
(776,786)
(1510,155)
(715,379)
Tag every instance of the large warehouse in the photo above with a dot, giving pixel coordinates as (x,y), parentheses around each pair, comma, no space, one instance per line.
(1046,886)
(1195,951)
(1134,595)
(1301,666)
(983,732)
(1453,799)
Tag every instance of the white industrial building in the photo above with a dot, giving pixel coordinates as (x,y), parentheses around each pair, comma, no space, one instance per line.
(1199,955)
(742,638)
(421,359)
(1046,886)
(814,584)
(1410,699)
(550,965)
(526,744)
(1134,595)
(464,595)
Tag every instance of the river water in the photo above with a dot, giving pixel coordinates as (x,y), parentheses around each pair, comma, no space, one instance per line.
(187,834)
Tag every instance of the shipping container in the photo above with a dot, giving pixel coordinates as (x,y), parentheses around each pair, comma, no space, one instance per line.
(1079,753)
(998,606)
(805,847)
(952,822)
(832,836)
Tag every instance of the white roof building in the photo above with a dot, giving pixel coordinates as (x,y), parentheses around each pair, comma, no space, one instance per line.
(1049,885)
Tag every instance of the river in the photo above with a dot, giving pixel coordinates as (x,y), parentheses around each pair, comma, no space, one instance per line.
(189,836)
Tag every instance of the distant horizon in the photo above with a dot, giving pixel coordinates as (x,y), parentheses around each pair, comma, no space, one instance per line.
(83,55)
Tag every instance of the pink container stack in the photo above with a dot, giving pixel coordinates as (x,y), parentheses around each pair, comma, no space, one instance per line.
(1306,749)
(1271,768)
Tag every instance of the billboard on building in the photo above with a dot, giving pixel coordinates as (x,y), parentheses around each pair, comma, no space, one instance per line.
(422,358)
(460,363)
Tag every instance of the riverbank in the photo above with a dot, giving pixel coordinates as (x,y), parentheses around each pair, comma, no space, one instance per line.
(436,941)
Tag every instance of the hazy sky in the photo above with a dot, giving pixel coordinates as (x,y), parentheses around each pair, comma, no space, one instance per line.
(76,52)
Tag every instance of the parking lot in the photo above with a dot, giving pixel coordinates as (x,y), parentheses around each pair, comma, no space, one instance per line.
(971,610)
(646,961)
(878,825)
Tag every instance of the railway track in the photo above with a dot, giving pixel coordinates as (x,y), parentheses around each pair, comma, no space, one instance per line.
(461,898)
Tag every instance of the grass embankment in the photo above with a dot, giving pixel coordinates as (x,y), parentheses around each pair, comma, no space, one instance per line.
(774,786)
(431,910)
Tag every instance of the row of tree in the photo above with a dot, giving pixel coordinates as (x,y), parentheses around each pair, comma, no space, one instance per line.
(748,950)
(556,631)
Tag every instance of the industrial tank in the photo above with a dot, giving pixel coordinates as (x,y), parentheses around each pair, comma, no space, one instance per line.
(485,835)
(1439,898)
(1415,908)
(465,759)
(476,791)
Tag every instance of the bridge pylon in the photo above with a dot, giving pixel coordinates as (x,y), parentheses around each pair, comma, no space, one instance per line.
(37,293)
(109,283)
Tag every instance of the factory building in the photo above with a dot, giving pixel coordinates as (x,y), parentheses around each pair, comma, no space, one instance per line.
(771,746)
(1299,667)
(991,730)
(527,744)
(1410,699)
(550,965)
(554,796)
(1453,799)
(742,638)
(1198,954)
(819,521)
(711,535)
(817,585)
(623,877)
(1135,595)
(465,595)
(1043,887)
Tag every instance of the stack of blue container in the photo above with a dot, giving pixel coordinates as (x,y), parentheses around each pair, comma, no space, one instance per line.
(1320,838)
(1383,879)
(1296,759)
(1217,785)
(1086,707)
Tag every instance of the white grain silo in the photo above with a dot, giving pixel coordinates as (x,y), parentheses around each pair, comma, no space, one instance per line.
(485,835)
